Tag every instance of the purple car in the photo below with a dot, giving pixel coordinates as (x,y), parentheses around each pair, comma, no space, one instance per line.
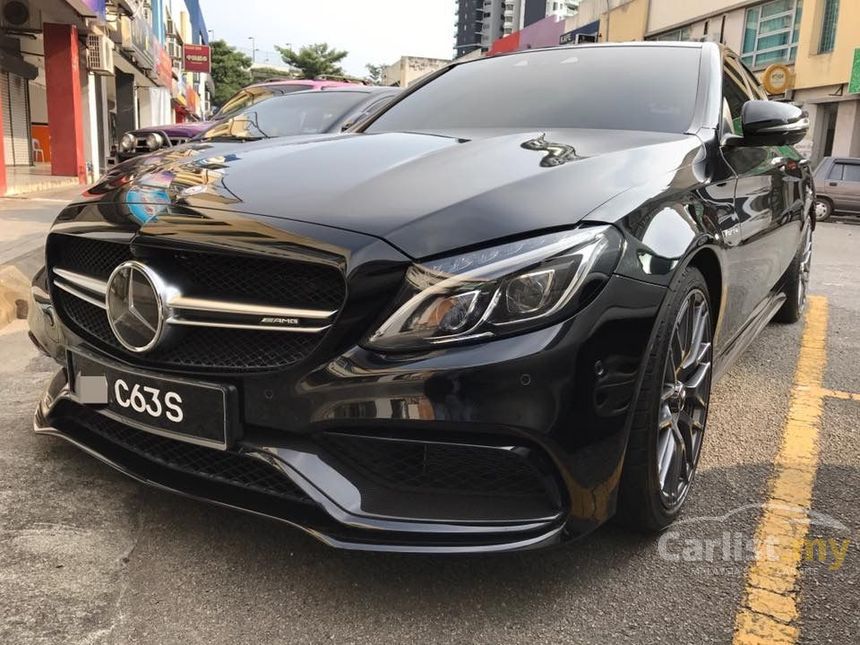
(146,140)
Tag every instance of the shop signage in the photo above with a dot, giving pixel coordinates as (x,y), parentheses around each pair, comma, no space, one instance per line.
(197,59)
(854,81)
(777,79)
(586,33)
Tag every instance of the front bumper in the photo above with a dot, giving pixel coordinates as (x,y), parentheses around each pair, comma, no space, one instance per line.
(508,445)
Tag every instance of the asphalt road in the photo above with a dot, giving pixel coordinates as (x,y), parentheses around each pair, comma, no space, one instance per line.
(87,556)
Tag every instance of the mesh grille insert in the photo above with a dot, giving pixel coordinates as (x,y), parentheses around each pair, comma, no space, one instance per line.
(444,468)
(226,467)
(95,258)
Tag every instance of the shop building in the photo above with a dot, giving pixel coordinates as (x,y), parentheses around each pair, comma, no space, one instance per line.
(410,69)
(76,74)
(803,50)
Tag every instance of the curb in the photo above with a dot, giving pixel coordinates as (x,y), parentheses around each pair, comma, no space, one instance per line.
(14,294)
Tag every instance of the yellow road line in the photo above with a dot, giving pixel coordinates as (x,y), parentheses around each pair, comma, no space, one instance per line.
(769,610)
(836,394)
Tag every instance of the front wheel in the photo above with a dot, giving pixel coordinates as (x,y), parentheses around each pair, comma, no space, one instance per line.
(797,281)
(823,209)
(671,412)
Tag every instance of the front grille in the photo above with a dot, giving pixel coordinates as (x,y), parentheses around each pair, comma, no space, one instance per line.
(284,283)
(206,275)
(275,282)
(449,468)
(96,258)
(225,467)
(200,348)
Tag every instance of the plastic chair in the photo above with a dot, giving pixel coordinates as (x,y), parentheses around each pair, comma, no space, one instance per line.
(38,152)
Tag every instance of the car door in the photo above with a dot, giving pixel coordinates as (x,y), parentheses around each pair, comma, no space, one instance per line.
(768,201)
(843,185)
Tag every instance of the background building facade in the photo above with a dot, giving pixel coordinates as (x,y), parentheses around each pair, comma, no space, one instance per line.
(410,69)
(75,75)
(805,51)
(480,23)
(815,40)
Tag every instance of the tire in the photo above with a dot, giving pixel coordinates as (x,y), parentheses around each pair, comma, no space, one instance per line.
(797,281)
(645,502)
(823,208)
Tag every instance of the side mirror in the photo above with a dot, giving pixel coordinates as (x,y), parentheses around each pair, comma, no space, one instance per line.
(769,123)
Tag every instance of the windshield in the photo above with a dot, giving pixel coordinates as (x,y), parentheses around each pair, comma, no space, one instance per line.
(623,88)
(282,116)
(253,95)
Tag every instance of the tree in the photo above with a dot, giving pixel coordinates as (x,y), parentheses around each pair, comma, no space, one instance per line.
(230,71)
(315,60)
(376,73)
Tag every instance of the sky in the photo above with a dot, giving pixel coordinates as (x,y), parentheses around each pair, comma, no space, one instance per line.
(372,31)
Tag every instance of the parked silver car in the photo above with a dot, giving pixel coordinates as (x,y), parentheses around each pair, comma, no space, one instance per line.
(837,186)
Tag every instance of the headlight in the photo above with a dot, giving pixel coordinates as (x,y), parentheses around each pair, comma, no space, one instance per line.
(154,141)
(128,142)
(498,291)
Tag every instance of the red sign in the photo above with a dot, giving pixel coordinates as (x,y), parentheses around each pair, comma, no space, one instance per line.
(509,43)
(197,59)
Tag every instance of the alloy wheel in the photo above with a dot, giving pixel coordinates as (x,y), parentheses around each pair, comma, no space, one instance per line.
(805,269)
(684,399)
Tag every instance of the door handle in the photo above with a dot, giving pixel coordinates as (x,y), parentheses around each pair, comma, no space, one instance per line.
(832,183)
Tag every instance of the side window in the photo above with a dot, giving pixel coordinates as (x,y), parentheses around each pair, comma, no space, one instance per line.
(735,97)
(836,171)
(851,172)
(753,82)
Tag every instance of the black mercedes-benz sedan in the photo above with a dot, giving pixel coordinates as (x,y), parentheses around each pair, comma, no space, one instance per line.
(489,318)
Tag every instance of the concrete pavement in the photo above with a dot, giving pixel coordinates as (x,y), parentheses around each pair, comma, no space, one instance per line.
(87,556)
(26,220)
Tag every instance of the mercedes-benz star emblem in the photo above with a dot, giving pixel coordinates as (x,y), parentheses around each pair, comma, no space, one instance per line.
(135,306)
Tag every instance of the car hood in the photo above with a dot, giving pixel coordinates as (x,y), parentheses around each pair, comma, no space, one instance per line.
(425,194)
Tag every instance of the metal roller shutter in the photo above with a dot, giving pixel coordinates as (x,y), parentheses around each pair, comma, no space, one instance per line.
(17,141)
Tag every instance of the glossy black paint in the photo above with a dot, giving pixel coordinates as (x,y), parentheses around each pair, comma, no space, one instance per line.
(371,205)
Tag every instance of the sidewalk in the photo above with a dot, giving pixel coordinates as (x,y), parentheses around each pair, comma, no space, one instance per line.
(24,223)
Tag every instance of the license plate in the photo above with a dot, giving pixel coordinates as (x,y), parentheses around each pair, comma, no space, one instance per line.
(179,409)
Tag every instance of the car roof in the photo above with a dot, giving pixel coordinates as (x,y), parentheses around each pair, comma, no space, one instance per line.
(363,91)
(684,44)
(358,89)
(315,82)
